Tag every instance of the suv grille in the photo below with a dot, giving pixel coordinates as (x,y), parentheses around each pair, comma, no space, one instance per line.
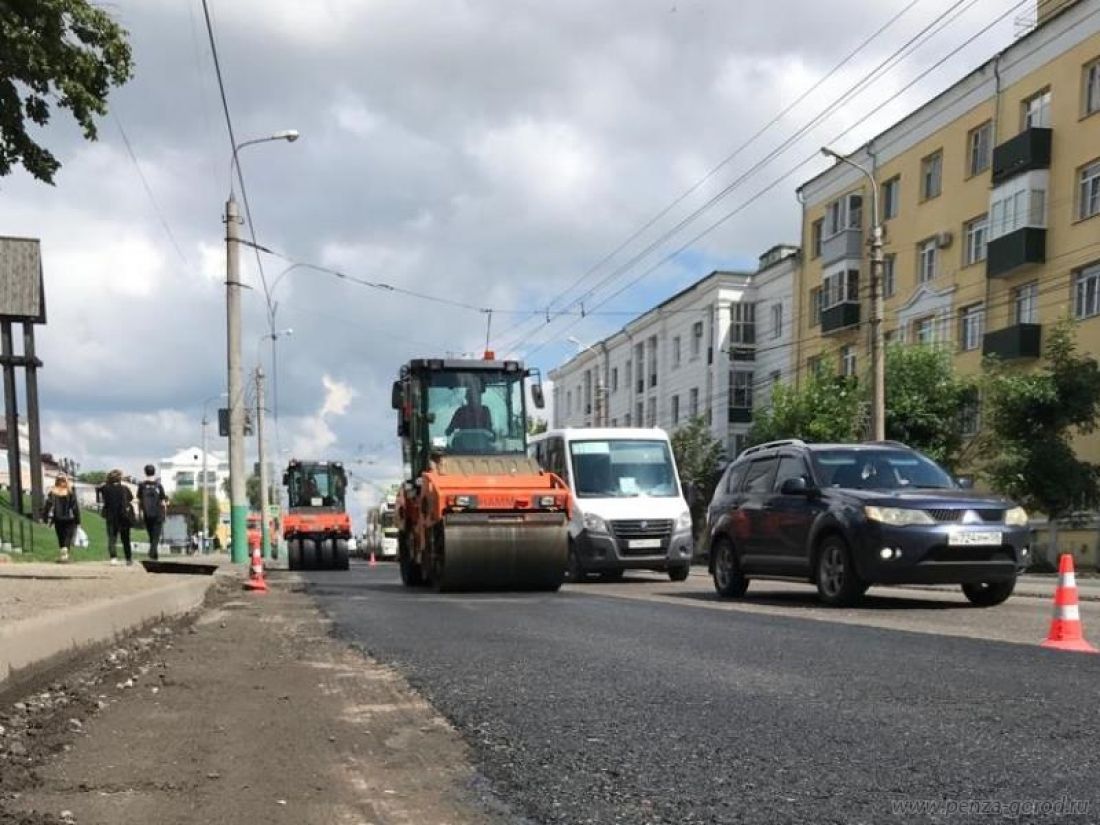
(628,530)
(955,516)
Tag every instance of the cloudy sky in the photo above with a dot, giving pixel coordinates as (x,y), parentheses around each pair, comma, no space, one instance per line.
(487,151)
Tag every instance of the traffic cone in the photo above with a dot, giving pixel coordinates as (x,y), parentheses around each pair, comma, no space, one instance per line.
(372,562)
(1066,632)
(255,580)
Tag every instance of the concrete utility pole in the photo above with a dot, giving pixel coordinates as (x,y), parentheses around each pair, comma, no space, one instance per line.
(238,499)
(265,538)
(878,355)
(204,522)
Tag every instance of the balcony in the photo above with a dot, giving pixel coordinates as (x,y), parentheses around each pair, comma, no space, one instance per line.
(839,316)
(740,415)
(742,352)
(1028,150)
(844,245)
(1017,341)
(1006,254)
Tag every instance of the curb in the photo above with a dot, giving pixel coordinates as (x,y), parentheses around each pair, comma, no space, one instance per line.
(46,641)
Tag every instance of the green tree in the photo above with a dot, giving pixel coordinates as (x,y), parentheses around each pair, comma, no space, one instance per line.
(698,459)
(536,426)
(251,490)
(1031,419)
(191,500)
(823,408)
(92,477)
(65,52)
(923,399)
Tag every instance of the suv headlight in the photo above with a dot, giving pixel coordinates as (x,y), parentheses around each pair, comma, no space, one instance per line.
(897,516)
(684,521)
(1016,517)
(594,523)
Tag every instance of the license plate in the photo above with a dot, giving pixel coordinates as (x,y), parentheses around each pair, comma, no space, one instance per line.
(645,544)
(961,539)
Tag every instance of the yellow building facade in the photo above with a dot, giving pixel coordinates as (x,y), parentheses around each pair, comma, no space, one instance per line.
(990,195)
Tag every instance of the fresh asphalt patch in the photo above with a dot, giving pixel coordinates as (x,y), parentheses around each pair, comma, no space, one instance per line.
(583,709)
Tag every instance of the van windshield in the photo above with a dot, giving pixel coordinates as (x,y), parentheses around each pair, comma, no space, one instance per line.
(607,468)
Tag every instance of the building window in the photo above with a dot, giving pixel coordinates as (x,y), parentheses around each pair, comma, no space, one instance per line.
(924,331)
(693,402)
(1025,303)
(1086,291)
(813,365)
(1036,111)
(614,379)
(676,352)
(1092,87)
(970,415)
(1012,210)
(629,371)
(639,413)
(889,276)
(971,323)
(675,410)
(741,389)
(627,420)
(651,345)
(777,320)
(569,402)
(816,228)
(614,422)
(816,298)
(848,360)
(979,144)
(639,359)
(743,330)
(975,232)
(696,339)
(891,198)
(841,288)
(651,413)
(844,213)
(1088,190)
(927,260)
(931,176)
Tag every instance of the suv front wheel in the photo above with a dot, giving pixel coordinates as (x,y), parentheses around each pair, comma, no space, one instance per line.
(838,584)
(729,581)
(989,594)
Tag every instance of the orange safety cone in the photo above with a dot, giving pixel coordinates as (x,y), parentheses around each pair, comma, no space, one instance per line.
(1066,632)
(372,562)
(255,579)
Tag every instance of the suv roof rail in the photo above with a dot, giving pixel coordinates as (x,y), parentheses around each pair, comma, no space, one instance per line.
(786,442)
(889,442)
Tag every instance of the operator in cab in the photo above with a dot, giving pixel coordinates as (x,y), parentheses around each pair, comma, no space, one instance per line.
(472,415)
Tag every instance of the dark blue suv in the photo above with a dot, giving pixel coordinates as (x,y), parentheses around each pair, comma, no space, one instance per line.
(846,516)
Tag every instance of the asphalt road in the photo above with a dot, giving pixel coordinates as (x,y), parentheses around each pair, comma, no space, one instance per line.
(588,707)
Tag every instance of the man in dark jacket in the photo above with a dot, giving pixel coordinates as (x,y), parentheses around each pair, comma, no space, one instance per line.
(152,500)
(118,513)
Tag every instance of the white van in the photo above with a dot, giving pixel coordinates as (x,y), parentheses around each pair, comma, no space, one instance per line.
(629,512)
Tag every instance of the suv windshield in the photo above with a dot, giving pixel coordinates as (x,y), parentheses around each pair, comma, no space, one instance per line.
(476,412)
(604,468)
(879,470)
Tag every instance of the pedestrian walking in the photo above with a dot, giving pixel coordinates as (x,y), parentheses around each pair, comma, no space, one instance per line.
(152,500)
(62,510)
(118,512)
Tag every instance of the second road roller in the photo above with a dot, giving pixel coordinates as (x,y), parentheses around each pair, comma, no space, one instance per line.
(474,511)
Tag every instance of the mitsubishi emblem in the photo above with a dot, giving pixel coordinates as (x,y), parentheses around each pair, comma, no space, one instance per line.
(970,517)
(644,524)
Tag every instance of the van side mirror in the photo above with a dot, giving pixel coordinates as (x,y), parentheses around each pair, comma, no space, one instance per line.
(397,396)
(797,486)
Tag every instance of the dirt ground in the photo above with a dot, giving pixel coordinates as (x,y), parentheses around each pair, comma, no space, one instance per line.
(250,713)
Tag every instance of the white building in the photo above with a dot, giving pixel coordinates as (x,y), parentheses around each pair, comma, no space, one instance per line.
(183,471)
(714,350)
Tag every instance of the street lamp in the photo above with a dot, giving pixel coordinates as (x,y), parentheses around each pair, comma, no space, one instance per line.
(204,522)
(238,501)
(261,445)
(878,361)
(600,412)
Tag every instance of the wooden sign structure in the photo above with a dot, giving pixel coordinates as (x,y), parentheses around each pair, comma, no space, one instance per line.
(23,302)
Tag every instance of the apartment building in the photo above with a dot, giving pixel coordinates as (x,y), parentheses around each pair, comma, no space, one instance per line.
(990,196)
(715,349)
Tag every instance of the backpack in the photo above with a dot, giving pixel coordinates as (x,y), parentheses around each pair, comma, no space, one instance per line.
(150,499)
(63,508)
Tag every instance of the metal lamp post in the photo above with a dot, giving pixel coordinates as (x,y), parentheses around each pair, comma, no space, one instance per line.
(600,405)
(878,360)
(238,499)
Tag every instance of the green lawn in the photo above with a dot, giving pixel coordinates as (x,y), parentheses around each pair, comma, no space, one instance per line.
(42,545)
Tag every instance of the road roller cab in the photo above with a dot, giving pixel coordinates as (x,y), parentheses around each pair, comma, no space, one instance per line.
(316,526)
(474,512)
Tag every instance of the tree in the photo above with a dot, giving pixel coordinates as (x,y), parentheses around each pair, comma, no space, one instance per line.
(92,477)
(698,459)
(536,426)
(1031,419)
(191,500)
(824,408)
(923,400)
(68,52)
(251,490)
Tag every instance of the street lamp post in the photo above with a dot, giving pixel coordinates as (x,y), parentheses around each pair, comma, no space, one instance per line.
(878,360)
(261,446)
(238,499)
(600,410)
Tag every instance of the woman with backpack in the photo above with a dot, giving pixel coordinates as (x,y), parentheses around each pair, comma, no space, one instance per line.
(63,511)
(118,512)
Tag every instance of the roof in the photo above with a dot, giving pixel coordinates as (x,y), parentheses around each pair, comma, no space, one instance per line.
(609,433)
